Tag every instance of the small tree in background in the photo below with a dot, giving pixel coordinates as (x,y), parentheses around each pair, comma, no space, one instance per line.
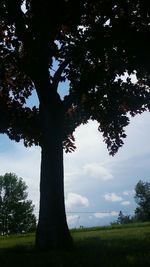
(16,212)
(142,198)
(123,219)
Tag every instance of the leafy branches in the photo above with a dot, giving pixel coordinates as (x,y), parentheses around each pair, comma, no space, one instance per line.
(93,48)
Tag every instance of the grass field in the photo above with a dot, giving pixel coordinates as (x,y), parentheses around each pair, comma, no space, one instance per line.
(94,247)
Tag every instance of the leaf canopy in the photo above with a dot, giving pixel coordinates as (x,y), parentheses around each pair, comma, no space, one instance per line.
(94,44)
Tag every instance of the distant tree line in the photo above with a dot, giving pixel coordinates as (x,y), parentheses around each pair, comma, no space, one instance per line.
(16,211)
(142,212)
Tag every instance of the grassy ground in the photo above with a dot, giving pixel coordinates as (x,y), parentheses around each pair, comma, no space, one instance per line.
(96,247)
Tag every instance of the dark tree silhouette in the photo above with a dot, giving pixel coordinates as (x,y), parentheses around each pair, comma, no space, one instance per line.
(16,211)
(93,43)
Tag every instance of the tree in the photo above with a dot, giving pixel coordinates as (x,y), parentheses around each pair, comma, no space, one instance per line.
(16,212)
(142,198)
(93,44)
(123,219)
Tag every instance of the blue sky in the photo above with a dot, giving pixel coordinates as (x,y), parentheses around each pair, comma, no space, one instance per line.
(97,185)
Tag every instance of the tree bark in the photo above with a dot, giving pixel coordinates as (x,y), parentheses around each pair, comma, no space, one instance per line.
(52,231)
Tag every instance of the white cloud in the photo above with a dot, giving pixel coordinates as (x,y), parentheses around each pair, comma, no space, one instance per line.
(114,213)
(73,219)
(125,203)
(101,214)
(25,162)
(113,197)
(97,171)
(90,146)
(129,193)
(76,201)
(125,193)
(71,178)
(105,214)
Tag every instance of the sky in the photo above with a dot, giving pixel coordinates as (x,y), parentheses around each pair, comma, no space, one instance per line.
(97,185)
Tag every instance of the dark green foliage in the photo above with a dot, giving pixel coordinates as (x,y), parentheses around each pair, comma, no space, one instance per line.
(142,198)
(16,212)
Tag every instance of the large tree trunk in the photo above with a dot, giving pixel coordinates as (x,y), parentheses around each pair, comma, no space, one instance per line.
(52,230)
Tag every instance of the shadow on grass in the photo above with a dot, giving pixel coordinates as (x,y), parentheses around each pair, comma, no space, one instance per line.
(89,252)
(114,253)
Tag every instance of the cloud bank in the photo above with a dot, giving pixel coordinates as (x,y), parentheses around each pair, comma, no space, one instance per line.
(74,200)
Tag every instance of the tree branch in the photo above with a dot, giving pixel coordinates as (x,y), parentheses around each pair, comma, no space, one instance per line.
(58,73)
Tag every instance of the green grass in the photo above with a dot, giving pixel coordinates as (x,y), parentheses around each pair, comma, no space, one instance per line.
(113,246)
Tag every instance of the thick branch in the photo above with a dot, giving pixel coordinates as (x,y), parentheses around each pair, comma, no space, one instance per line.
(58,73)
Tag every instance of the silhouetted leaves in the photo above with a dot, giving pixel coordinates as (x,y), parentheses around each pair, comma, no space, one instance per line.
(94,44)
